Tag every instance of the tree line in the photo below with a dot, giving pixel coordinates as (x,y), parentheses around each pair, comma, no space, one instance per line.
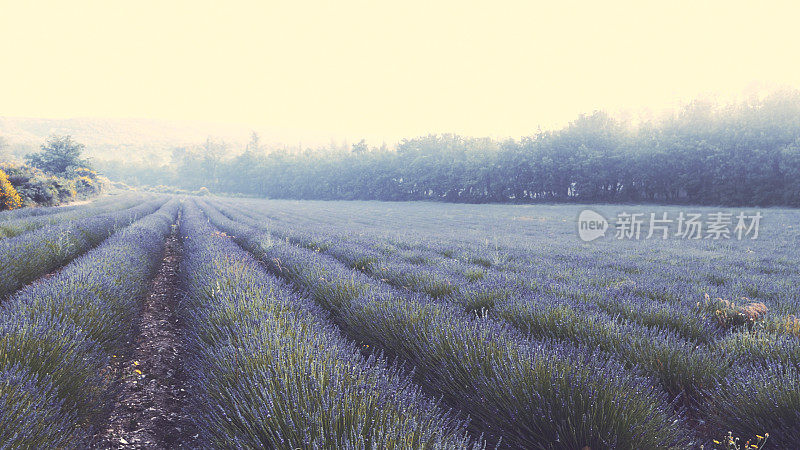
(746,153)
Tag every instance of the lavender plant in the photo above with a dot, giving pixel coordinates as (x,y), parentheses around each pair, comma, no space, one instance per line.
(31,255)
(521,394)
(635,300)
(271,371)
(60,333)
(29,219)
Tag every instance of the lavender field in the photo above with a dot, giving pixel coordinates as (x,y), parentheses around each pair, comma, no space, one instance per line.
(368,225)
(312,324)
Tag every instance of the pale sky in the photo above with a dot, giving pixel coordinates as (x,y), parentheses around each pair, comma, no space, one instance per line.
(386,70)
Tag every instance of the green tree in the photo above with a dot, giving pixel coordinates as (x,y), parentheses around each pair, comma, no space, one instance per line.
(790,165)
(255,143)
(58,155)
(360,148)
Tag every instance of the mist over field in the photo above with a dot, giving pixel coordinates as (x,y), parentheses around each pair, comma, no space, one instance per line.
(742,153)
(136,140)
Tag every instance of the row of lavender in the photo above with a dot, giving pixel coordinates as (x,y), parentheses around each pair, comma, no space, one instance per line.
(31,255)
(478,288)
(269,370)
(685,346)
(542,241)
(680,365)
(452,275)
(28,219)
(518,391)
(547,249)
(35,212)
(511,364)
(694,358)
(58,336)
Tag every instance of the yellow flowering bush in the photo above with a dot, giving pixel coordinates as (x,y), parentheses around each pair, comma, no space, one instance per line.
(9,197)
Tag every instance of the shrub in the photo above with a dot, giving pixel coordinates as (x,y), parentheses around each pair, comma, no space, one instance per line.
(85,186)
(65,189)
(37,188)
(40,191)
(82,172)
(9,197)
(729,314)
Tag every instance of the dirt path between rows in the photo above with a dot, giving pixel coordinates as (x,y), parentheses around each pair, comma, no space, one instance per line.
(149,412)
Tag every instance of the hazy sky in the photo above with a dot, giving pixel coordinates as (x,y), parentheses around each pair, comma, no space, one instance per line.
(385,70)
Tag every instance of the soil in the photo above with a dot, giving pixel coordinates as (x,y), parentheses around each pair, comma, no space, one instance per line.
(150,411)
